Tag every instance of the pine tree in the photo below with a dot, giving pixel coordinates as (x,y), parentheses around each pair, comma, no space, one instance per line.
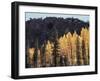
(35,56)
(56,52)
(43,54)
(28,64)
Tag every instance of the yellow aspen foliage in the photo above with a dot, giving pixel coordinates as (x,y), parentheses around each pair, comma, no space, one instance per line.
(39,58)
(48,52)
(73,47)
(85,39)
(69,48)
(63,45)
(30,55)
(79,51)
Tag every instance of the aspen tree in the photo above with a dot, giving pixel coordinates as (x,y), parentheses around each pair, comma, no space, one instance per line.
(48,53)
(30,56)
(85,45)
(69,48)
(79,51)
(43,54)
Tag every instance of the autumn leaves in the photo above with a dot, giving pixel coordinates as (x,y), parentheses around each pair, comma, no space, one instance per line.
(68,50)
